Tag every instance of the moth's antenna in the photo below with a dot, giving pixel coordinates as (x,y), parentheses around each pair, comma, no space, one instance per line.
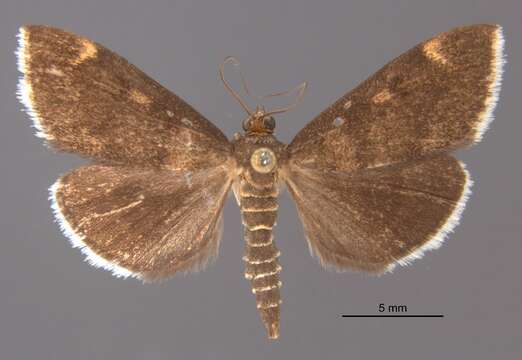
(252,95)
(300,93)
(301,88)
(235,62)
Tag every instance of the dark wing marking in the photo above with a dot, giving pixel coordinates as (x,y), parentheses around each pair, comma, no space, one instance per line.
(372,219)
(148,224)
(438,96)
(85,99)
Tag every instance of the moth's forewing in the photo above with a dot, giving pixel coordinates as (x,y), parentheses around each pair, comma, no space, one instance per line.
(438,96)
(144,223)
(85,99)
(372,219)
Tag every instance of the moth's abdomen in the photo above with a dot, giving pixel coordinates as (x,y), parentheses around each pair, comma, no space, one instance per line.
(259,211)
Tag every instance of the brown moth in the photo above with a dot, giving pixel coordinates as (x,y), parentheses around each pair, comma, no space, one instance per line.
(373,176)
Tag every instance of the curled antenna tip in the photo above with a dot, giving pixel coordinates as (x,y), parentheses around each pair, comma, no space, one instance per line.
(301,88)
(231,59)
(235,62)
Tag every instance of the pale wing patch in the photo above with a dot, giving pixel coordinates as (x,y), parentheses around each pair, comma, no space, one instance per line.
(382,96)
(77,239)
(139,97)
(188,178)
(438,238)
(338,121)
(186,122)
(87,51)
(347,105)
(55,71)
(432,50)
(497,68)
(376,165)
(87,219)
(24,90)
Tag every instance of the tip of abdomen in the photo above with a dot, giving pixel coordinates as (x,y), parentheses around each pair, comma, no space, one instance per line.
(270,317)
(272,330)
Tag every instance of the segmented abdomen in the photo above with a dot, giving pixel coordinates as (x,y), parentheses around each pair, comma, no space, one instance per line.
(259,211)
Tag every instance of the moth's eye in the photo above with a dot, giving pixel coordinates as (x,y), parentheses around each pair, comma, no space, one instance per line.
(246,124)
(269,123)
(263,160)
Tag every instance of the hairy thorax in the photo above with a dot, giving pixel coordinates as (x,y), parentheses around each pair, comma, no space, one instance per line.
(259,157)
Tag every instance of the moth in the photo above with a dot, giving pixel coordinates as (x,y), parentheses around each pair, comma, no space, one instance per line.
(372,176)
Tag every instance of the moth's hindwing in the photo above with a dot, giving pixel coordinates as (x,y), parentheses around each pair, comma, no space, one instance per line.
(436,97)
(148,224)
(85,99)
(372,219)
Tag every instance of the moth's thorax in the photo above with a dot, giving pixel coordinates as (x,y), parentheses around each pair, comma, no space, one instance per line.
(259,156)
(263,160)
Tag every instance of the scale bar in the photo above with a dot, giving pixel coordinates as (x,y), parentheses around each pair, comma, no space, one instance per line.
(394,316)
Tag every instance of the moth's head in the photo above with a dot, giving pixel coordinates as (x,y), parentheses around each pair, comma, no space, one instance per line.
(259,122)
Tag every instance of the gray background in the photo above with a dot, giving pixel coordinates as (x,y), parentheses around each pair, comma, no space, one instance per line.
(55,306)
